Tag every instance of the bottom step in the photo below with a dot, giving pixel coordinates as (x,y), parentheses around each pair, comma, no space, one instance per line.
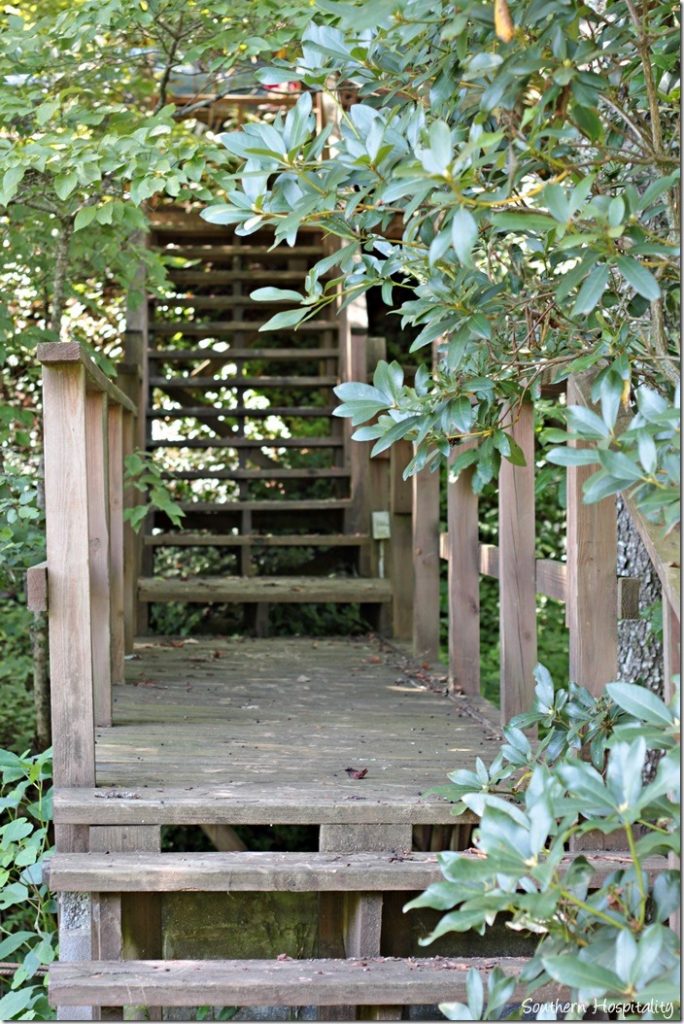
(369,982)
(277,589)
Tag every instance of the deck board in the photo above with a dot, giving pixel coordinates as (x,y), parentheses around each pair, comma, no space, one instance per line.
(265,730)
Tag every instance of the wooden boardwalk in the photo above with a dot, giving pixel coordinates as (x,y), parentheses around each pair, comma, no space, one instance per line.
(264,730)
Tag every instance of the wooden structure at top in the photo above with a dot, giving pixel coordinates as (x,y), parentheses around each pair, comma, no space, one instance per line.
(262,731)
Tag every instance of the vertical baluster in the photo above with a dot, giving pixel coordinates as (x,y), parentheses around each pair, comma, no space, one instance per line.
(98,536)
(517,570)
(464,581)
(116,541)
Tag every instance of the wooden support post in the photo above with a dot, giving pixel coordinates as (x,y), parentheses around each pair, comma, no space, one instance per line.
(464,582)
(426,565)
(672,655)
(360,914)
(127,926)
(517,571)
(357,517)
(116,542)
(98,537)
(591,578)
(131,565)
(71,662)
(401,540)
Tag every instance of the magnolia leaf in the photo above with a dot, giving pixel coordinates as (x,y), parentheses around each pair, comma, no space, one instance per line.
(640,278)
(463,234)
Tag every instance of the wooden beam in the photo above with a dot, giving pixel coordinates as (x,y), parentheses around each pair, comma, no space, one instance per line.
(664,550)
(37,587)
(284,589)
(131,545)
(116,542)
(426,565)
(592,582)
(517,571)
(70,353)
(464,580)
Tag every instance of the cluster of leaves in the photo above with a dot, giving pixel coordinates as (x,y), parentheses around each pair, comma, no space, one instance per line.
(29,927)
(515,187)
(145,476)
(608,938)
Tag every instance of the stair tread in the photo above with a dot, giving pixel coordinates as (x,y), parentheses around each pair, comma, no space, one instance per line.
(215,383)
(249,442)
(313,473)
(233,326)
(231,355)
(213,251)
(371,981)
(279,589)
(239,411)
(258,871)
(188,538)
(220,301)
(196,275)
(267,505)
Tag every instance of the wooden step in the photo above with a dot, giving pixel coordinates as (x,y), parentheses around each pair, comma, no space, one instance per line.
(252,871)
(269,589)
(215,384)
(276,505)
(245,872)
(226,301)
(248,442)
(272,276)
(312,473)
(215,328)
(258,540)
(234,355)
(367,982)
(210,412)
(215,251)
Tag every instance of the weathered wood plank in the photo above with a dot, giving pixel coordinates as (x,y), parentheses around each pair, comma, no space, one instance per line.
(291,590)
(278,983)
(116,542)
(517,571)
(97,468)
(66,506)
(664,550)
(245,805)
(592,583)
(37,587)
(426,565)
(71,353)
(464,581)
(130,545)
(256,871)
(322,540)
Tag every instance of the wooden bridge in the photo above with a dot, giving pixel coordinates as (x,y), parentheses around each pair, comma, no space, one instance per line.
(347,734)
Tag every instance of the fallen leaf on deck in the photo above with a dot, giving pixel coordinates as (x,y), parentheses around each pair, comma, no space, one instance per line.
(356,773)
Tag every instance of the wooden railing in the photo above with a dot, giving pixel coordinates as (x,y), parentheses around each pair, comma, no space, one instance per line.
(89,580)
(595,597)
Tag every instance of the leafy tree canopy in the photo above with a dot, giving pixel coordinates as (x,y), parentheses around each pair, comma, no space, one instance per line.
(508,178)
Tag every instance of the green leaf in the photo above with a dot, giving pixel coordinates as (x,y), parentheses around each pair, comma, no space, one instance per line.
(441,149)
(288,318)
(464,234)
(65,184)
(589,978)
(640,278)
(592,290)
(640,702)
(531,221)
(85,216)
(572,457)
(557,203)
(275,295)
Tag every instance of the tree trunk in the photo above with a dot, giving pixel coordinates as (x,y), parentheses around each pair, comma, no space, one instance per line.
(640,650)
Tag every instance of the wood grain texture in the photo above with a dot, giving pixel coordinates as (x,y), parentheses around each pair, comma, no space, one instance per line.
(517,571)
(257,871)
(426,565)
(284,589)
(70,353)
(37,587)
(275,983)
(66,508)
(592,582)
(116,542)
(97,459)
(185,538)
(463,581)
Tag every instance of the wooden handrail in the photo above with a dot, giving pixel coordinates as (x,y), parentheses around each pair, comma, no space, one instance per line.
(70,352)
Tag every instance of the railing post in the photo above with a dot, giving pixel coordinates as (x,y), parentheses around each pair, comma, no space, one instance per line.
(131,563)
(517,570)
(98,539)
(464,580)
(426,565)
(401,540)
(116,541)
(67,530)
(591,610)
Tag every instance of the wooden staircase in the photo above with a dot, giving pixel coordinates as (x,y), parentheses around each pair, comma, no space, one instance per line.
(242,424)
